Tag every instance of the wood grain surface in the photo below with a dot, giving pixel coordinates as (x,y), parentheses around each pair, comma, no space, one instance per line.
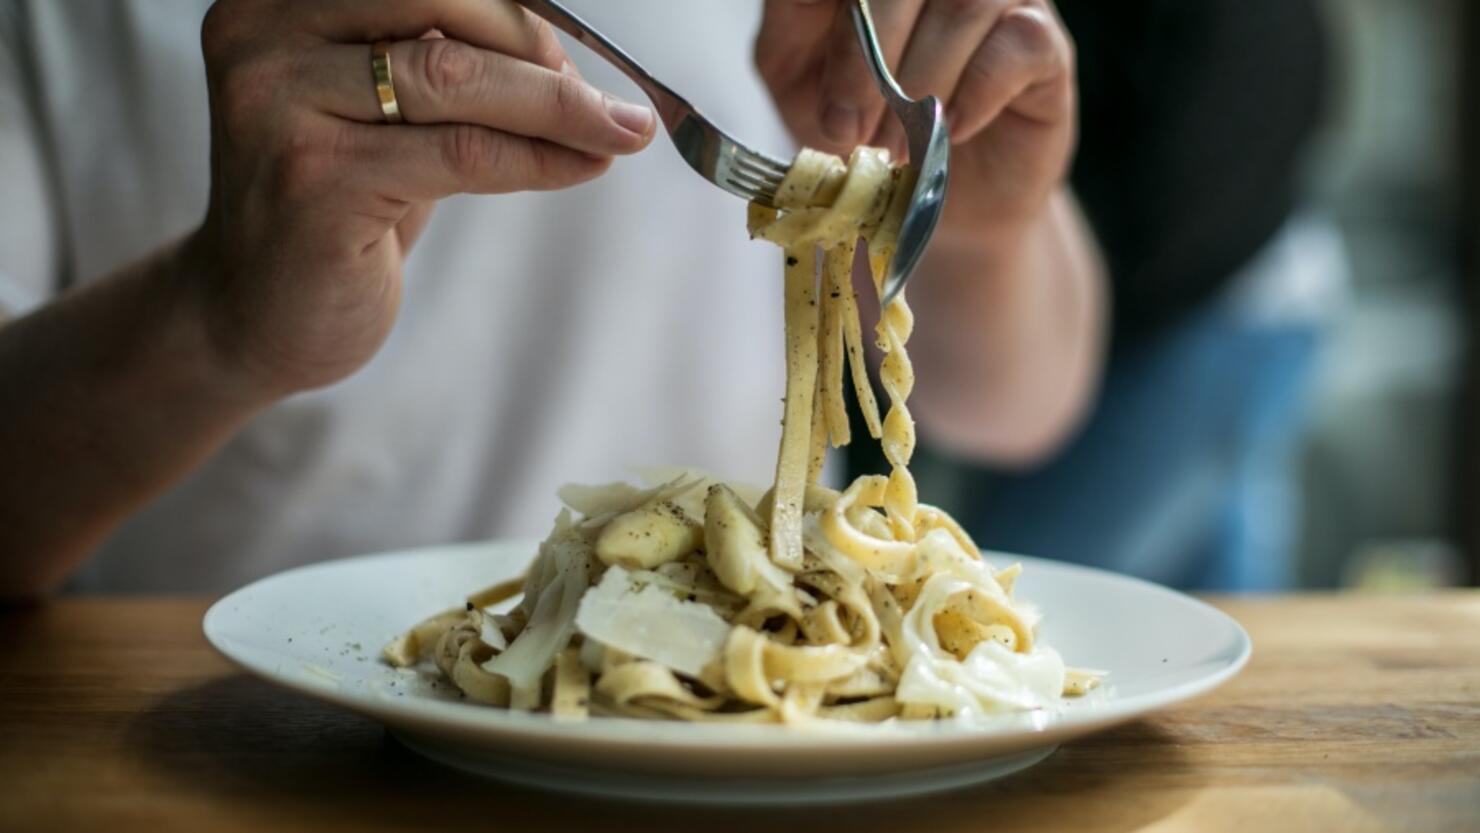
(1356,714)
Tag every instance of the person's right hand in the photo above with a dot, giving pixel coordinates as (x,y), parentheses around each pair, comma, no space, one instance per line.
(315,200)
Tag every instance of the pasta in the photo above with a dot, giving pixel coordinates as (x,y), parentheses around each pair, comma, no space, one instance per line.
(694,600)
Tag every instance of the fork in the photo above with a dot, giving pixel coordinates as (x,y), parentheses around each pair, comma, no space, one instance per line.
(716,155)
(754,176)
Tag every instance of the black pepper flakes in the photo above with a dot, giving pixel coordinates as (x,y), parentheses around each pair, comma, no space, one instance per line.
(791,261)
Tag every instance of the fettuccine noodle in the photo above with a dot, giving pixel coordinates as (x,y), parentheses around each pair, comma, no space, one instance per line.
(694,600)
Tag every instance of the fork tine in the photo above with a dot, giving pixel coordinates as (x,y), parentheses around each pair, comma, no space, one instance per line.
(764,181)
(751,175)
(761,162)
(750,189)
(709,150)
(762,166)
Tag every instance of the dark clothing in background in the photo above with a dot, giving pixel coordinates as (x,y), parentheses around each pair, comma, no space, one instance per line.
(1193,118)
(1193,115)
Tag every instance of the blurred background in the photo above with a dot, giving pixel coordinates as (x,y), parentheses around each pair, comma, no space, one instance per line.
(1306,425)
(1388,473)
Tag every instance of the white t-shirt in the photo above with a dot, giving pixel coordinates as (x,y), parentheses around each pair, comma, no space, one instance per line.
(544,338)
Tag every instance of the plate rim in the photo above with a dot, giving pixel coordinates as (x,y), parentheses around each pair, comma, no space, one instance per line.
(491,724)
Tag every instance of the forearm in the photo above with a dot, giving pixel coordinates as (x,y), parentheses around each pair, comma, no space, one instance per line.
(107,397)
(1011,337)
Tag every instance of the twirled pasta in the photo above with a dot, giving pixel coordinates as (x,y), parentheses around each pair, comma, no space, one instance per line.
(686,601)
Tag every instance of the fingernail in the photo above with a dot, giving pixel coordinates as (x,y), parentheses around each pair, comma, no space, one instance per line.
(841,124)
(634,117)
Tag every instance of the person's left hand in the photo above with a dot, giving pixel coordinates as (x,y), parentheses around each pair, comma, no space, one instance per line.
(1003,68)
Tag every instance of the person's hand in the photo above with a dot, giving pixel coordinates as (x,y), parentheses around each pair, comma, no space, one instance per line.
(315,200)
(1003,68)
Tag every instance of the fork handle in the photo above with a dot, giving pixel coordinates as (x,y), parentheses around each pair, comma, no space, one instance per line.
(863,22)
(672,108)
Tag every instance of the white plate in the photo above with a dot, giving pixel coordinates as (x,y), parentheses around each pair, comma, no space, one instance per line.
(319,629)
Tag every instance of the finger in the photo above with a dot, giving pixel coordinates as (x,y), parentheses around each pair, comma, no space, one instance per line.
(415,163)
(442,80)
(566,65)
(496,25)
(946,35)
(850,105)
(792,38)
(1021,65)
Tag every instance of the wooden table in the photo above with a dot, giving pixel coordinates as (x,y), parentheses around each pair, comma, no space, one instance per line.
(1356,714)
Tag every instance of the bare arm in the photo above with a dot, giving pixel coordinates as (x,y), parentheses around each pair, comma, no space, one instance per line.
(1010,344)
(111,394)
(108,396)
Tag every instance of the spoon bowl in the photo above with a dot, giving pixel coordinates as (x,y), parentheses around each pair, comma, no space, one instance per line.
(928,140)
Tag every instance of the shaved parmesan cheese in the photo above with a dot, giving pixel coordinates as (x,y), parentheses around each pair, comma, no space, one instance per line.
(551,624)
(991,680)
(489,632)
(630,612)
(601,500)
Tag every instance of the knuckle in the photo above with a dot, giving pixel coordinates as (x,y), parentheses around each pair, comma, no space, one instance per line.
(232,25)
(245,91)
(1024,41)
(307,164)
(447,66)
(572,99)
(219,31)
(1031,33)
(470,152)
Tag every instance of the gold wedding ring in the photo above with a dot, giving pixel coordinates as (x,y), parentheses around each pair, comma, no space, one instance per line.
(385,85)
